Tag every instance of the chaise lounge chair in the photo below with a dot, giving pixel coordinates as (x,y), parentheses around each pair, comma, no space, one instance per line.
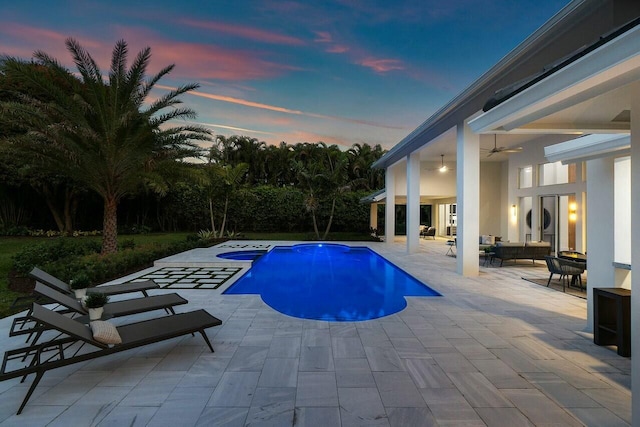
(25,325)
(59,352)
(124,288)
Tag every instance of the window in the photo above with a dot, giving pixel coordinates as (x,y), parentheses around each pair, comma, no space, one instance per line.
(556,173)
(525,177)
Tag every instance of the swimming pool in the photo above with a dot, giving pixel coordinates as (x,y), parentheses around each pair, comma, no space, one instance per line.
(251,255)
(329,282)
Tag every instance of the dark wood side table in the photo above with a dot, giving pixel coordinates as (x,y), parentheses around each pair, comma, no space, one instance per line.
(612,318)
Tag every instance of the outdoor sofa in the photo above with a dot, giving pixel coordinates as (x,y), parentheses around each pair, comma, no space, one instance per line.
(518,250)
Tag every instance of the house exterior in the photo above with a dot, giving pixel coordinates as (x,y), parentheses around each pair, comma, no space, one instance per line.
(565,107)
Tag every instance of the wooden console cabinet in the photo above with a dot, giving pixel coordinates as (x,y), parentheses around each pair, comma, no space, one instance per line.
(612,318)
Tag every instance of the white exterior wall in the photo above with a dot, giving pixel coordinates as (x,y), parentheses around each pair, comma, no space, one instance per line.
(491,195)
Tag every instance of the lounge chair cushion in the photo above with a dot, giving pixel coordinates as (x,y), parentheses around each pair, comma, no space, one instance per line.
(105,332)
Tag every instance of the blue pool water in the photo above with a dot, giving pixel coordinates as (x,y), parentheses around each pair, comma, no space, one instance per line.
(329,282)
(242,255)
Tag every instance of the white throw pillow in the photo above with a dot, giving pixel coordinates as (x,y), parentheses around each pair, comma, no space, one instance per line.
(105,332)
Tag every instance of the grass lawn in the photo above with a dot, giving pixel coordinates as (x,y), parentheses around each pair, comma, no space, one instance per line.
(11,245)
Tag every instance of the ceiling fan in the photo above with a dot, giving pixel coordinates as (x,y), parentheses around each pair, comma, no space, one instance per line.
(442,168)
(497,149)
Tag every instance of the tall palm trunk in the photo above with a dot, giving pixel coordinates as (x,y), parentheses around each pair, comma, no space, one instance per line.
(333,208)
(110,226)
(224,217)
(213,225)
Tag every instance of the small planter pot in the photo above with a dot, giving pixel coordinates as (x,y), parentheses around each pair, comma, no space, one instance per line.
(95,313)
(80,293)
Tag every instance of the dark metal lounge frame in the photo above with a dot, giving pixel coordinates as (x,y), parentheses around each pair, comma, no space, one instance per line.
(124,288)
(59,352)
(25,324)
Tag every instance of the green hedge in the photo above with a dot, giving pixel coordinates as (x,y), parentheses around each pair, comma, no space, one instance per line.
(66,258)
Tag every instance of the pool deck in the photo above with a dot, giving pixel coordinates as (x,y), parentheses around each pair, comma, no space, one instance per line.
(495,350)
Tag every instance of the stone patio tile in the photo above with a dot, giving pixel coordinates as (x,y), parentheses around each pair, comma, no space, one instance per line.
(260,337)
(383,359)
(317,417)
(374,337)
(397,330)
(410,348)
(183,407)
(503,417)
(452,361)
(205,372)
(316,338)
(516,360)
(354,373)
(539,409)
(248,359)
(427,374)
(317,389)
(471,349)
(500,374)
(318,359)
(343,329)
(414,417)
(598,417)
(361,407)
(398,390)
(613,399)
(272,407)
(235,389)
(222,417)
(279,372)
(449,407)
(347,347)
(133,416)
(478,391)
(285,346)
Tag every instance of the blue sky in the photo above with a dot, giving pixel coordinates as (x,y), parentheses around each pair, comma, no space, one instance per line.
(341,71)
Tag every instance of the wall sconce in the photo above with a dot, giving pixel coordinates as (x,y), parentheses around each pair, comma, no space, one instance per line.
(573,216)
(514,211)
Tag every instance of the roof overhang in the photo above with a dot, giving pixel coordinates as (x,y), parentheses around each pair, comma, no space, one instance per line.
(588,148)
(601,71)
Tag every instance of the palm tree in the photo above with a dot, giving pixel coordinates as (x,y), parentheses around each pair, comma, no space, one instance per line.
(99,132)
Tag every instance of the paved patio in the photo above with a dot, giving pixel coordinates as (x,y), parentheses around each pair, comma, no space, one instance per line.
(495,350)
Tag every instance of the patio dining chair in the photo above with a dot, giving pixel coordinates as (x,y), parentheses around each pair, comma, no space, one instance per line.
(79,342)
(564,268)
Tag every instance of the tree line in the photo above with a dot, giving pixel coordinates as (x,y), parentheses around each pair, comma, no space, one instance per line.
(83,138)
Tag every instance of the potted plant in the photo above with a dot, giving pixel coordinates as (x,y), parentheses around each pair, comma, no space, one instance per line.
(95,303)
(79,285)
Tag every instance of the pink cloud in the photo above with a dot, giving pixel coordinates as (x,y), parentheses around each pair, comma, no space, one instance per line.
(337,49)
(25,37)
(250,33)
(206,61)
(279,109)
(323,37)
(382,65)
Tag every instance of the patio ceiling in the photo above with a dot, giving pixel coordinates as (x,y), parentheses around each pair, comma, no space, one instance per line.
(590,95)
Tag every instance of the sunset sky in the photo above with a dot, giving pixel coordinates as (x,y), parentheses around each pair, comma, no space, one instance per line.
(342,71)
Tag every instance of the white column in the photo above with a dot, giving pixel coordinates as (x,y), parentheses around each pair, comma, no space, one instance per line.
(373,216)
(600,221)
(390,208)
(468,200)
(635,253)
(413,202)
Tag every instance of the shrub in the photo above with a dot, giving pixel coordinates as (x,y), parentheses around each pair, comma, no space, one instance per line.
(127,244)
(95,300)
(101,268)
(80,281)
(39,255)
